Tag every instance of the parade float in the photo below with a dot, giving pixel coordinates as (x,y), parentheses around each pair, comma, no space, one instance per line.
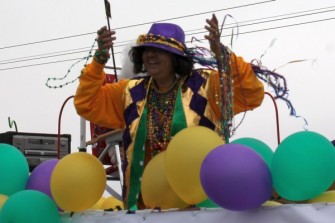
(197,179)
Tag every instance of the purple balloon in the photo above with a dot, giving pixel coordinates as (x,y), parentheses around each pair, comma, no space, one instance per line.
(39,178)
(236,177)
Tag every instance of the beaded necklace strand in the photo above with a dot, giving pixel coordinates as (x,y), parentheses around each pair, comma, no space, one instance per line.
(159,119)
(226,95)
(69,71)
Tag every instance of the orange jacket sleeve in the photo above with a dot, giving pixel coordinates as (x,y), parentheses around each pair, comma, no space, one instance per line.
(98,102)
(248,90)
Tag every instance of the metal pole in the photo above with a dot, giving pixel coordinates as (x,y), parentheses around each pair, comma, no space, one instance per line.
(108,15)
(82,147)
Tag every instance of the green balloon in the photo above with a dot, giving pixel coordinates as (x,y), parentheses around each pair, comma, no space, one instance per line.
(29,206)
(303,166)
(257,145)
(208,203)
(14,170)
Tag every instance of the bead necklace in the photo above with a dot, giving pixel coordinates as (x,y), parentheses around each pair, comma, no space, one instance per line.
(226,95)
(69,71)
(155,87)
(160,113)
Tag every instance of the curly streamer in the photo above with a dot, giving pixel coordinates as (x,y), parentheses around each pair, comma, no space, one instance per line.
(202,56)
(278,83)
(232,32)
(11,123)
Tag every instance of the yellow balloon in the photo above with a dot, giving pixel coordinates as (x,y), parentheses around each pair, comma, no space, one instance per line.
(184,156)
(271,203)
(112,203)
(3,199)
(156,190)
(77,181)
(328,196)
(98,205)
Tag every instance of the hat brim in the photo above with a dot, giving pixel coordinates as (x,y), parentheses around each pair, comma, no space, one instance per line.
(163,47)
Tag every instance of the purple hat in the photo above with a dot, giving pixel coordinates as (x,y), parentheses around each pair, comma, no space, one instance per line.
(166,36)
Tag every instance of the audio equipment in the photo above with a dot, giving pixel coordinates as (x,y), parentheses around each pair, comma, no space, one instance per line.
(38,147)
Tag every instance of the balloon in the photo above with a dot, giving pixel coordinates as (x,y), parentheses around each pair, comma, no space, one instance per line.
(39,178)
(3,199)
(14,170)
(208,203)
(260,147)
(112,203)
(77,181)
(98,205)
(183,159)
(271,204)
(303,166)
(236,177)
(328,196)
(156,190)
(29,206)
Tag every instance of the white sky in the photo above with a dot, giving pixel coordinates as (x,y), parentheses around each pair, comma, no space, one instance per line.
(35,108)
